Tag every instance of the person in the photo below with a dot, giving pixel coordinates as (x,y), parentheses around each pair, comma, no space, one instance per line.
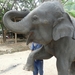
(38,64)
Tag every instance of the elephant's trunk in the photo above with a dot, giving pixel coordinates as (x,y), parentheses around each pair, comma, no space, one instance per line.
(17,27)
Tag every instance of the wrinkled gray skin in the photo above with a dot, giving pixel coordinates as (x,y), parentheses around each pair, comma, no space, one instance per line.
(49,25)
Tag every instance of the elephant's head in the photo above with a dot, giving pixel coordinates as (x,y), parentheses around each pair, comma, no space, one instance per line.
(46,22)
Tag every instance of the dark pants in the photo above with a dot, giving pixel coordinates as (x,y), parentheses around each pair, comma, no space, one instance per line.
(38,67)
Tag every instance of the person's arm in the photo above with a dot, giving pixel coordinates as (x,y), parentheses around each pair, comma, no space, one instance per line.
(32,47)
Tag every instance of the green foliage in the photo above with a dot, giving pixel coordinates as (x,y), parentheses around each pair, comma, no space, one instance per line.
(63,1)
(69,7)
(72,13)
(2,1)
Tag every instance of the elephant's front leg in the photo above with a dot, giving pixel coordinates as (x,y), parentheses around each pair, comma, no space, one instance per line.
(37,54)
(63,66)
(29,64)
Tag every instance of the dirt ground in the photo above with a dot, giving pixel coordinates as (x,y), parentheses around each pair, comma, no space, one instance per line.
(14,56)
(10,46)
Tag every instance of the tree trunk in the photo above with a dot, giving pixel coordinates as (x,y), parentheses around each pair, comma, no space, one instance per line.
(4,35)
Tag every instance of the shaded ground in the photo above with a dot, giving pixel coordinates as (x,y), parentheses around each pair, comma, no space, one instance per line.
(10,47)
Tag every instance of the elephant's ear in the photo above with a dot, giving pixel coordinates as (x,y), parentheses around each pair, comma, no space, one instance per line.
(63,27)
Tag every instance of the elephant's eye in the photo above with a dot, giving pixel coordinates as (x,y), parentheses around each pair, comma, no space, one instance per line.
(35,17)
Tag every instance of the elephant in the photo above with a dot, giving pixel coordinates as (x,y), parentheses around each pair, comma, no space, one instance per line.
(49,25)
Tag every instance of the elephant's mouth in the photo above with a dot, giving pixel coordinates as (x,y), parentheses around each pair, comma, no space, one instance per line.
(29,38)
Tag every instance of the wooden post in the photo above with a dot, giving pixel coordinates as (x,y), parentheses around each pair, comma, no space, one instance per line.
(4,35)
(15,34)
(15,38)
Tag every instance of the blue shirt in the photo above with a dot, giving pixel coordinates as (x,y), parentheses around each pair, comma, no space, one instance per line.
(35,46)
